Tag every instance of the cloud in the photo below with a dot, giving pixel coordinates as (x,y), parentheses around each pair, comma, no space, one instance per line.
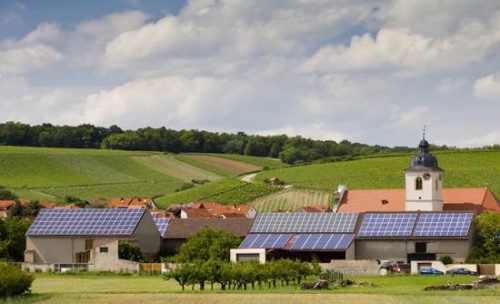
(14,14)
(400,49)
(32,52)
(312,130)
(487,87)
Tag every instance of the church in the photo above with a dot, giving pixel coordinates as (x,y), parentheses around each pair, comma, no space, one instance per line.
(423,192)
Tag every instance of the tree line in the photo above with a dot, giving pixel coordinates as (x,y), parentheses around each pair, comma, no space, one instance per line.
(289,149)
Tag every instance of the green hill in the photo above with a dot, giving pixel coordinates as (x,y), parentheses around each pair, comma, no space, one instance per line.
(462,169)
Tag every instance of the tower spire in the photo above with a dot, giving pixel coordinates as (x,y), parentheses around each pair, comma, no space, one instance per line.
(423,132)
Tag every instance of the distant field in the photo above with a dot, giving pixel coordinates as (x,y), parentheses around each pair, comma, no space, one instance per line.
(51,288)
(236,167)
(270,163)
(171,166)
(49,174)
(467,169)
(293,199)
(228,191)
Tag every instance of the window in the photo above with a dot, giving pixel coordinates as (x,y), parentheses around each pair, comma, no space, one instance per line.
(420,247)
(418,183)
(89,244)
(103,249)
(437,185)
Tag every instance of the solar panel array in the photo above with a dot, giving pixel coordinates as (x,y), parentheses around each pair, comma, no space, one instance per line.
(387,224)
(268,241)
(322,242)
(161,224)
(61,222)
(304,223)
(443,225)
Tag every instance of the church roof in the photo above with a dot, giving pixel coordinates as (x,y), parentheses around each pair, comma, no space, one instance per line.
(424,160)
(454,199)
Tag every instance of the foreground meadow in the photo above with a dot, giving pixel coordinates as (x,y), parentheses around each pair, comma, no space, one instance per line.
(52,288)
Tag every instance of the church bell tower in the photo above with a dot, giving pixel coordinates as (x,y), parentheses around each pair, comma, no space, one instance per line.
(424,181)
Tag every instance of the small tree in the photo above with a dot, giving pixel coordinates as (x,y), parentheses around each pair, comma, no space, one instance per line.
(14,281)
(182,274)
(486,248)
(130,251)
(446,259)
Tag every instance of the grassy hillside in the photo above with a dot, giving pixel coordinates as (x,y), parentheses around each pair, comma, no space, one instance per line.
(270,163)
(464,169)
(49,174)
(228,191)
(234,167)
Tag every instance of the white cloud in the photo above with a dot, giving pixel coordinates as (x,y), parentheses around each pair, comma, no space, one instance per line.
(487,87)
(313,130)
(416,116)
(399,48)
(490,138)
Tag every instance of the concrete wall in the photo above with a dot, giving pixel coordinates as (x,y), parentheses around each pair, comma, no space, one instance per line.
(147,235)
(398,249)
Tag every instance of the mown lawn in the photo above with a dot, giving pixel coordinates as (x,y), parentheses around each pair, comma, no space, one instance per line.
(53,288)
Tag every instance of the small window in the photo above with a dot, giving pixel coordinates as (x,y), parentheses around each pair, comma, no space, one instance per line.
(420,247)
(103,249)
(437,185)
(418,183)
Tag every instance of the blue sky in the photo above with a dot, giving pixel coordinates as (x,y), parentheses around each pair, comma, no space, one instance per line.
(368,71)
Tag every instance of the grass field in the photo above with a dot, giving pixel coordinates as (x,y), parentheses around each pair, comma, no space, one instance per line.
(52,288)
(236,167)
(270,163)
(292,199)
(228,191)
(49,174)
(467,169)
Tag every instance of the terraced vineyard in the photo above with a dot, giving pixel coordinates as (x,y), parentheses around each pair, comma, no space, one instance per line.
(270,163)
(235,167)
(462,169)
(292,199)
(230,191)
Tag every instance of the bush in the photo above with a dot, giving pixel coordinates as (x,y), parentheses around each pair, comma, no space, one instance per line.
(446,259)
(13,281)
(184,186)
(130,251)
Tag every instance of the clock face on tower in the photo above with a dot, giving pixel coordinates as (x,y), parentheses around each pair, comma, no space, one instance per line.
(427,176)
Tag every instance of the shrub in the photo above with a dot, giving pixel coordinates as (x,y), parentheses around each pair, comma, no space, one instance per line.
(446,259)
(13,281)
(130,251)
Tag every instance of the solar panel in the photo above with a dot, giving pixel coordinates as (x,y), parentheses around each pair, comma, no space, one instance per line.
(387,224)
(161,224)
(268,241)
(116,221)
(304,223)
(443,224)
(322,241)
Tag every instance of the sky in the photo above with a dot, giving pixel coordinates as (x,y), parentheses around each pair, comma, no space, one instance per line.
(368,71)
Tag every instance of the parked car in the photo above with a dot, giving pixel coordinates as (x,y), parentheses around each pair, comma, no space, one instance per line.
(430,270)
(462,271)
(386,267)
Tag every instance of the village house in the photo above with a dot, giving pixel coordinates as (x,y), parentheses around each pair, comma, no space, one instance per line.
(212,210)
(88,239)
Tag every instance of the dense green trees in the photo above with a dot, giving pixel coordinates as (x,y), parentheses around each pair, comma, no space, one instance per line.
(290,149)
(130,251)
(486,248)
(12,238)
(14,281)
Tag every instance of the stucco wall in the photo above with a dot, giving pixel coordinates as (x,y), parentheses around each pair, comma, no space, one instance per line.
(147,235)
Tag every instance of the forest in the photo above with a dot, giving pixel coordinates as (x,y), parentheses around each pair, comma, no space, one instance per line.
(290,150)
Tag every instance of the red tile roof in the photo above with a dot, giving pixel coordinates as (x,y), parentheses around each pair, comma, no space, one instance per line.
(318,208)
(454,199)
(7,204)
(197,213)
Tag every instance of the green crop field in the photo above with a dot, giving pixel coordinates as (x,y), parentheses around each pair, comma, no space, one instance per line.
(270,163)
(50,174)
(228,191)
(54,288)
(293,199)
(464,169)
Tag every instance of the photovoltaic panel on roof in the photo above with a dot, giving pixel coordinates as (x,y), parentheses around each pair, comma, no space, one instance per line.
(304,223)
(322,242)
(268,241)
(387,225)
(443,225)
(62,222)
(161,224)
